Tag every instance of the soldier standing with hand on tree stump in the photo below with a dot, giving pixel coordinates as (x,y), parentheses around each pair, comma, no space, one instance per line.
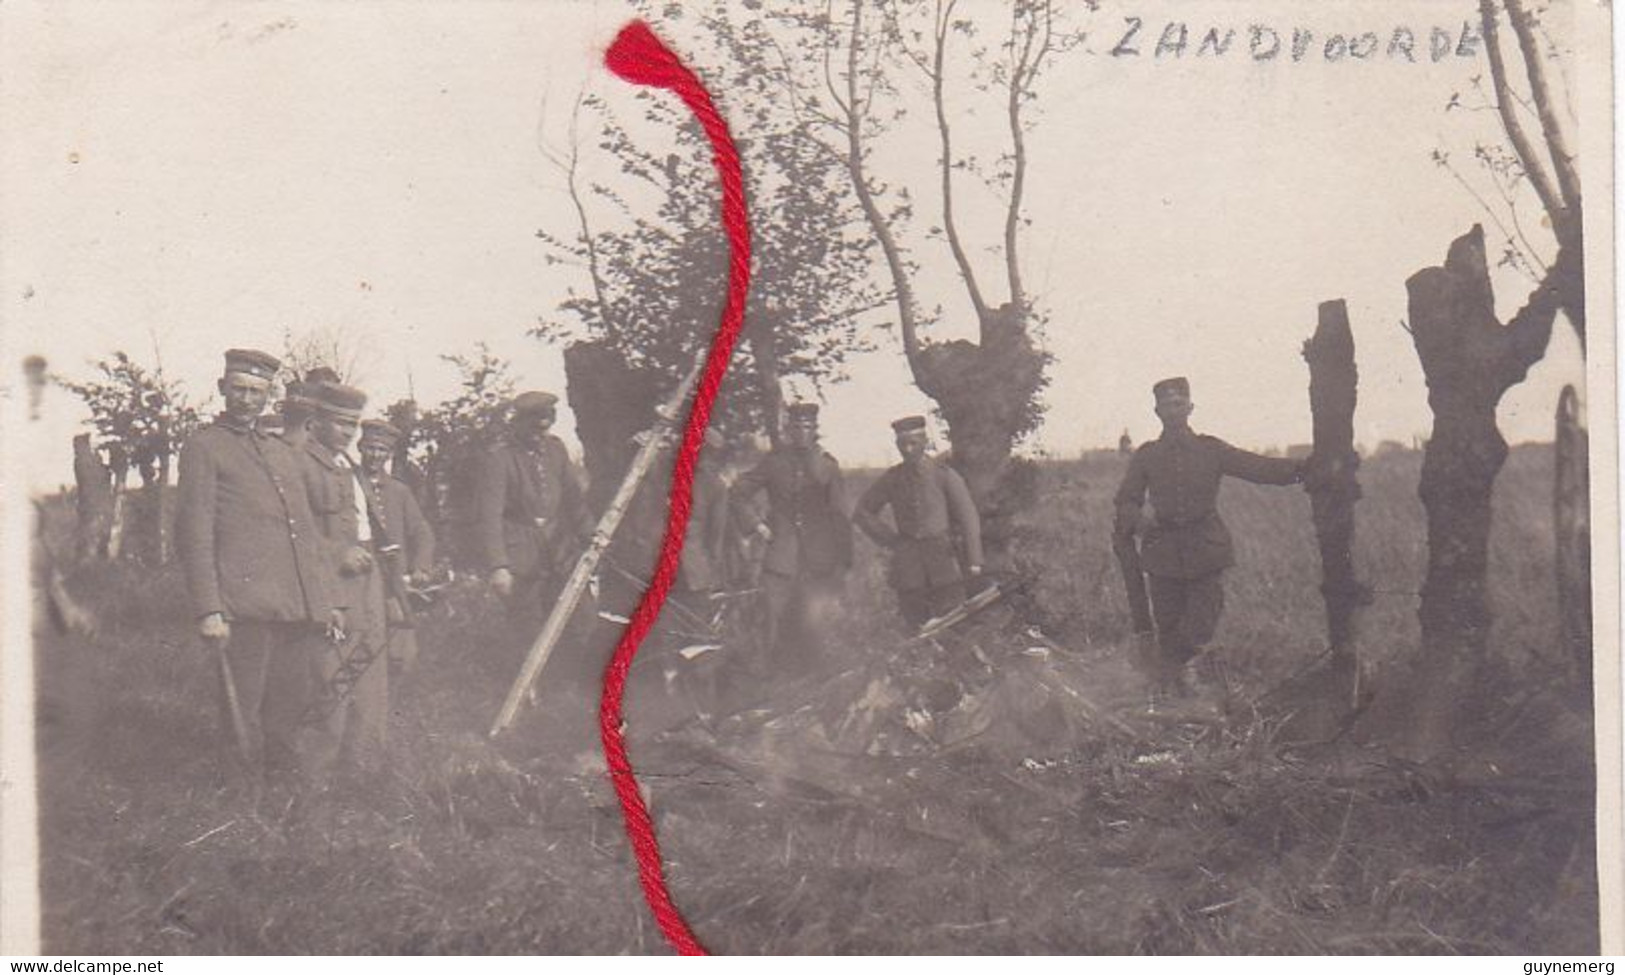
(1184,547)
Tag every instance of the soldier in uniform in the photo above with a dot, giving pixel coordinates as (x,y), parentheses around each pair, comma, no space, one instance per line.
(665,686)
(256,572)
(530,522)
(409,539)
(808,535)
(529,516)
(356,717)
(637,541)
(930,504)
(1183,547)
(296,409)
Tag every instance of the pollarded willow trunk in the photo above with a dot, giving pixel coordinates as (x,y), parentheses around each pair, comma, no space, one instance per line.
(612,403)
(1470,360)
(987,394)
(1459,469)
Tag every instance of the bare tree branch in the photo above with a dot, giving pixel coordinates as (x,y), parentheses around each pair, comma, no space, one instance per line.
(907,315)
(1509,232)
(1529,331)
(1568,180)
(586,238)
(940,30)
(804,111)
(829,74)
(1021,76)
(1538,177)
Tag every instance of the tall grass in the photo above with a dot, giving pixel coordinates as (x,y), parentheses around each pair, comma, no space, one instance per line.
(1063,822)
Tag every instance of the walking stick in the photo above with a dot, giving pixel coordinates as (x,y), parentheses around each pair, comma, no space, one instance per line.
(587,562)
(239,725)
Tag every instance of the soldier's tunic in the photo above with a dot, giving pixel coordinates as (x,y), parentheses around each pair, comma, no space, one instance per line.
(529,517)
(1185,547)
(665,688)
(810,548)
(637,541)
(401,522)
(251,551)
(929,504)
(360,723)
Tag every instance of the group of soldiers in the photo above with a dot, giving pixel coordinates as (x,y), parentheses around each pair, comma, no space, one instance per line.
(301,563)
(297,560)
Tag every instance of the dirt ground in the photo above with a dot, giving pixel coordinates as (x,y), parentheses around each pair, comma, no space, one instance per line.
(1006,789)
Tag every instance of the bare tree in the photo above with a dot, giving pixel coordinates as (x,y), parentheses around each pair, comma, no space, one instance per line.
(341,349)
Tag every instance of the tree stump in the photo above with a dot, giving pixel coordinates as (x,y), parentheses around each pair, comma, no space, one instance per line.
(1318,703)
(1572,521)
(93,484)
(1333,487)
(613,401)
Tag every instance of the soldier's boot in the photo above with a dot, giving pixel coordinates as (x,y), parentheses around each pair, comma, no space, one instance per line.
(1173,674)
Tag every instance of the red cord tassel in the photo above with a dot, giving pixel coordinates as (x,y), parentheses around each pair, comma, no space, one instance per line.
(638,56)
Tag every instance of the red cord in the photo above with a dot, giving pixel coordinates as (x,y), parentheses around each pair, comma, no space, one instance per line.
(638,56)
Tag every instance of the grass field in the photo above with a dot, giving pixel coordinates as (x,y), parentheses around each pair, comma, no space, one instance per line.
(889,804)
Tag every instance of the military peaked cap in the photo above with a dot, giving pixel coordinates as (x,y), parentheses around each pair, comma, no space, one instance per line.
(380,432)
(908,424)
(1176,384)
(252,362)
(802,412)
(321,374)
(299,396)
(341,401)
(531,403)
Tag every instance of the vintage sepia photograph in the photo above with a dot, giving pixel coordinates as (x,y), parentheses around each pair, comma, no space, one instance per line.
(1161,498)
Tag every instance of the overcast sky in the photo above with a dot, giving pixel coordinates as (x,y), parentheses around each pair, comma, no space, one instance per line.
(194,176)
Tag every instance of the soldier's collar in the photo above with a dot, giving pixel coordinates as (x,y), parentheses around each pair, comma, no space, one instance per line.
(234,425)
(321,452)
